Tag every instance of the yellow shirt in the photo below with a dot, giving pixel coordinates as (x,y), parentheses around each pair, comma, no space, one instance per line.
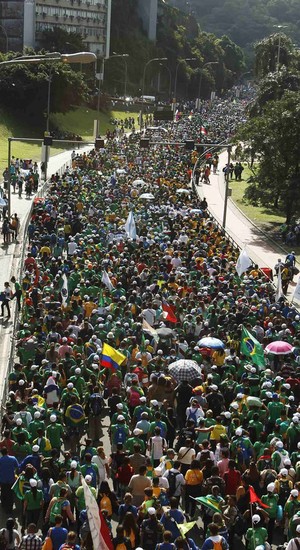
(218,430)
(193,477)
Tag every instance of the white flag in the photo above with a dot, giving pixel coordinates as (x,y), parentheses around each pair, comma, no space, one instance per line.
(93,517)
(243,263)
(106,280)
(130,226)
(279,291)
(296,295)
(64,290)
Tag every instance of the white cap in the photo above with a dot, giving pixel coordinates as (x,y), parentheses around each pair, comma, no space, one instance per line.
(154,403)
(70,385)
(143,399)
(271,487)
(19,422)
(279,444)
(294,493)
(52,418)
(35,448)
(295,419)
(136,431)
(119,405)
(234,405)
(227,414)
(120,418)
(78,371)
(214,387)
(287,462)
(256,518)
(33,482)
(74,464)
(240,396)
(238,431)
(298,528)
(151,511)
(37,414)
(88,478)
(283,472)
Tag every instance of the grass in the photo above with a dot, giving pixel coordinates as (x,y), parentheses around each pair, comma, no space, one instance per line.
(79,121)
(267,219)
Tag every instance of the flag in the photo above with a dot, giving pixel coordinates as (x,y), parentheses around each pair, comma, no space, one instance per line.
(64,290)
(151,330)
(96,522)
(243,263)
(168,313)
(203,131)
(209,501)
(296,295)
(130,226)
(279,291)
(111,358)
(18,487)
(255,498)
(252,348)
(106,280)
(183,528)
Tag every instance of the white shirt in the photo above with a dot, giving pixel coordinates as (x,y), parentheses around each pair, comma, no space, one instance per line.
(72,247)
(179,482)
(157,444)
(187,455)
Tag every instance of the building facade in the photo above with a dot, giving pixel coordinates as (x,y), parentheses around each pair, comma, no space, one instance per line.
(148,12)
(23,21)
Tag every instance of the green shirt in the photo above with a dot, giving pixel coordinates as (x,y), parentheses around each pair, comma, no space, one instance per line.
(33,503)
(256,536)
(272,502)
(80,495)
(54,433)
(133,441)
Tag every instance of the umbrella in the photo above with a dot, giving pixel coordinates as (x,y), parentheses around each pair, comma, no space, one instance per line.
(147,196)
(279,348)
(184,191)
(184,369)
(210,342)
(165,332)
(138,182)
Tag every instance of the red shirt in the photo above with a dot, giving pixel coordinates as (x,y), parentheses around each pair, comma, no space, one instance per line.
(232,480)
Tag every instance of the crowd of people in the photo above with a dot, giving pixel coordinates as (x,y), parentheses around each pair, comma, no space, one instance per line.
(182,443)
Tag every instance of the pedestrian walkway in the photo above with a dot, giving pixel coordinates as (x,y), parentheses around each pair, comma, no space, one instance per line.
(245,233)
(11,258)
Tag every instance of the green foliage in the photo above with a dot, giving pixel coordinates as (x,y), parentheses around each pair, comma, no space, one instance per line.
(275,138)
(59,40)
(267,52)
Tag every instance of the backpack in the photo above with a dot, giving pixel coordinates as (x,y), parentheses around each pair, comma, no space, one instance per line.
(192,416)
(284,491)
(3,540)
(172,482)
(96,404)
(56,510)
(134,397)
(204,456)
(119,435)
(91,472)
(269,477)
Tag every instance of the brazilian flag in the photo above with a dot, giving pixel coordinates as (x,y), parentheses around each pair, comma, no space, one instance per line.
(252,348)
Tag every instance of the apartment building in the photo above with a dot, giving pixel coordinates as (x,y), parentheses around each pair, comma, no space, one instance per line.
(23,21)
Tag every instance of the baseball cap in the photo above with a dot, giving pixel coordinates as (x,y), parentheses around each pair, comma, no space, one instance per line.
(88,478)
(120,418)
(143,399)
(151,511)
(294,493)
(33,482)
(52,418)
(238,431)
(35,448)
(74,464)
(271,487)
(256,518)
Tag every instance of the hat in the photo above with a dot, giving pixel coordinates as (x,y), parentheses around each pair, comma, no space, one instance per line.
(33,482)
(298,528)
(143,399)
(279,444)
(234,405)
(154,403)
(287,462)
(78,371)
(74,464)
(35,449)
(88,478)
(19,422)
(238,431)
(283,472)
(119,405)
(270,487)
(37,414)
(120,418)
(136,431)
(52,418)
(256,518)
(151,511)
(294,493)
(214,387)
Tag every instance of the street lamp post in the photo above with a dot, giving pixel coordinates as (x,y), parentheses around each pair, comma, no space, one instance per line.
(279,43)
(79,57)
(143,85)
(170,78)
(176,74)
(124,57)
(201,75)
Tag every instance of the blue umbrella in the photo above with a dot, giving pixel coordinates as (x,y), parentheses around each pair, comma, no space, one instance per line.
(210,342)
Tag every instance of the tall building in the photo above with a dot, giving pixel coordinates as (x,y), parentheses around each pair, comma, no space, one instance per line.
(148,12)
(24,21)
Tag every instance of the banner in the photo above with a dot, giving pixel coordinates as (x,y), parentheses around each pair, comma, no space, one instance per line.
(93,518)
(243,263)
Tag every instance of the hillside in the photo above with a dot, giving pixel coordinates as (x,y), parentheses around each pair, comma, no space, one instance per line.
(244,21)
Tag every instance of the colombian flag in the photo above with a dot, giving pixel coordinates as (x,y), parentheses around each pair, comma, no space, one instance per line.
(111,358)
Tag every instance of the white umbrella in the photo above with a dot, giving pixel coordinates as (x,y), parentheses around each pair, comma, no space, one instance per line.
(183,191)
(147,196)
(138,182)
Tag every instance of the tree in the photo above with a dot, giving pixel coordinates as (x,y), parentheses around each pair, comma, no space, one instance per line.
(275,137)
(59,40)
(267,51)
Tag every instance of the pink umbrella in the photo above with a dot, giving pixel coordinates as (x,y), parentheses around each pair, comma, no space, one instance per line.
(279,348)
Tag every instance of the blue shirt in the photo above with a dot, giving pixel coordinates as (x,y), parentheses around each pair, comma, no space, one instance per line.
(8,465)
(34,459)
(58,536)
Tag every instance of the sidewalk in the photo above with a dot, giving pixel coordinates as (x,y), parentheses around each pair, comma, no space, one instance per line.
(11,258)
(239,227)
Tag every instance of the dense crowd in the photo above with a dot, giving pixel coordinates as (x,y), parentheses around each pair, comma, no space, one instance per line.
(130,376)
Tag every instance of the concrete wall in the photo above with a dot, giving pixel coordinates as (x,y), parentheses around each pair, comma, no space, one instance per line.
(148,13)
(11,21)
